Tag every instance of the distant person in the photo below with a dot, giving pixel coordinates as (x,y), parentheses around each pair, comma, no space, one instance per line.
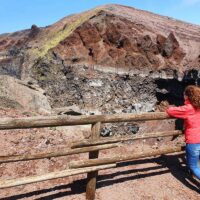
(190,112)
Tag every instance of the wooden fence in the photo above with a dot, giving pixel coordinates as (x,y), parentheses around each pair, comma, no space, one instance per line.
(93,146)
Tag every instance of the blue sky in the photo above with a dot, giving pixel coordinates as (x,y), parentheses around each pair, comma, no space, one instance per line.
(21,14)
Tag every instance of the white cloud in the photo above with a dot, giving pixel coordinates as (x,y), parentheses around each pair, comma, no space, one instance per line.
(190,2)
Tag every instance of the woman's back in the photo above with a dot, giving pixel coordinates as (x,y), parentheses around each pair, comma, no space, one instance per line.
(190,112)
(191,118)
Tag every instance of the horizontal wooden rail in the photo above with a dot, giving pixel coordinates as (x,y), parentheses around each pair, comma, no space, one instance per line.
(50,176)
(116,159)
(60,120)
(122,139)
(14,158)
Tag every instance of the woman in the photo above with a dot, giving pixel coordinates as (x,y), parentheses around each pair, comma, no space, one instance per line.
(190,112)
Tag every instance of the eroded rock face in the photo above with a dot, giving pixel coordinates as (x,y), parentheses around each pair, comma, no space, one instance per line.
(110,59)
(109,36)
(125,40)
(107,40)
(98,92)
(18,94)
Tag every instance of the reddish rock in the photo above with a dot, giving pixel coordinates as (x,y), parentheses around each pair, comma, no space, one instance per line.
(160,42)
(170,45)
(113,36)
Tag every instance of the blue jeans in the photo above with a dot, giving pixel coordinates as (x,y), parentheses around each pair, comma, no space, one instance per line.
(193,156)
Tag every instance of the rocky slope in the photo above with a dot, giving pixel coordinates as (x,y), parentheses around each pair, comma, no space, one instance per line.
(109,59)
(17,94)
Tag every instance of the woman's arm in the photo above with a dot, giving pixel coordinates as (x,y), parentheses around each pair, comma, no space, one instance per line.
(180,112)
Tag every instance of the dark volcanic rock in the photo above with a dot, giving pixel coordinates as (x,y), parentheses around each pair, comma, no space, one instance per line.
(34,31)
(110,59)
(96,91)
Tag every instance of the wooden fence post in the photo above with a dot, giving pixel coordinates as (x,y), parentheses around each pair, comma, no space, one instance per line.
(92,176)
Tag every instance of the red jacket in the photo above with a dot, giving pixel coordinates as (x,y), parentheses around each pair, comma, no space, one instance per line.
(191,118)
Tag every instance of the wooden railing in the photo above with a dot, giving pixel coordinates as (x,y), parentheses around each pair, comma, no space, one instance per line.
(93,146)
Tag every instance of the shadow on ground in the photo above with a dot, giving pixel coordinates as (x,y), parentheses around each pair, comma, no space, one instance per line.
(173,164)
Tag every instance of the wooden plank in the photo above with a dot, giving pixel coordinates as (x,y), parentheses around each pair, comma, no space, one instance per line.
(109,140)
(25,157)
(122,158)
(92,176)
(60,120)
(50,176)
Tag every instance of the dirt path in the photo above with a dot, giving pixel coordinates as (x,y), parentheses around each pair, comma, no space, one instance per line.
(161,178)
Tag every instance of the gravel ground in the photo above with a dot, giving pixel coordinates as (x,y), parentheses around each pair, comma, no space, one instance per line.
(159,178)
